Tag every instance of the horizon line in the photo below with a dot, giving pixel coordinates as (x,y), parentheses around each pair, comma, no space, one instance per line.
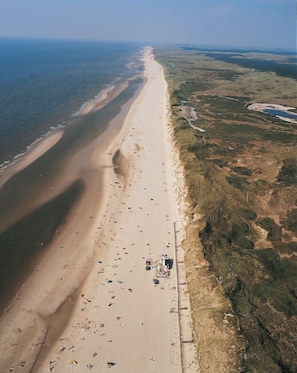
(154,43)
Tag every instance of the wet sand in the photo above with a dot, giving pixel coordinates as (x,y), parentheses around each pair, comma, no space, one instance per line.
(90,303)
(38,151)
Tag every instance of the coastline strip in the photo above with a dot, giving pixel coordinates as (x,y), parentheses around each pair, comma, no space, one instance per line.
(103,98)
(121,319)
(36,152)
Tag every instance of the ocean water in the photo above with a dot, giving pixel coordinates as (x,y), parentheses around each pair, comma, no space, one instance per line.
(43,86)
(43,83)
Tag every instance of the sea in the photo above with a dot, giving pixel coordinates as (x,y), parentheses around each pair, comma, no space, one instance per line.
(44,85)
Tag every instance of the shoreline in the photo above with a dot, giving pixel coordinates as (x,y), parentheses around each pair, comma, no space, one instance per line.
(117,312)
(31,292)
(80,166)
(36,152)
(62,163)
(105,96)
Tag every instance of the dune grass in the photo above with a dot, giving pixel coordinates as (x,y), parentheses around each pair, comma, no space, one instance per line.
(241,178)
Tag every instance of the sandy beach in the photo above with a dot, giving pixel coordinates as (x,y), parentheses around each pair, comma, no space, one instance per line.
(90,303)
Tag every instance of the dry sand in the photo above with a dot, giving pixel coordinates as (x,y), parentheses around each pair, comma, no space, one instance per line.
(90,300)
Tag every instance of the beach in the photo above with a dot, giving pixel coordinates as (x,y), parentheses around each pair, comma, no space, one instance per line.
(89,302)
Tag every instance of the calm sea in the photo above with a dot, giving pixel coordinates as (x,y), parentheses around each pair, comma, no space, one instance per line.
(43,83)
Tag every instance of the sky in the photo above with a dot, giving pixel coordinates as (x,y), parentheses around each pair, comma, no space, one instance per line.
(241,23)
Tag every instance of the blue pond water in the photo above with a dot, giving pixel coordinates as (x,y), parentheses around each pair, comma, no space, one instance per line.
(280,113)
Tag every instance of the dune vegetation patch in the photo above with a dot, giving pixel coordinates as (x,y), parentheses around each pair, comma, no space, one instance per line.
(241,176)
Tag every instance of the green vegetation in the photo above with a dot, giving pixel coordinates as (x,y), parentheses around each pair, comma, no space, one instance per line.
(243,171)
(238,182)
(281,285)
(248,215)
(288,172)
(241,175)
(274,231)
(290,223)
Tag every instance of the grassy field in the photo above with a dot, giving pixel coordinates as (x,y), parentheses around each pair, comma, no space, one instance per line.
(241,174)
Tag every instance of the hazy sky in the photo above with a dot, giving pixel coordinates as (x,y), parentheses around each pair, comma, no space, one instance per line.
(259,23)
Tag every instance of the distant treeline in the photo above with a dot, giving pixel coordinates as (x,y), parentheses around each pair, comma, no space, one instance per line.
(287,68)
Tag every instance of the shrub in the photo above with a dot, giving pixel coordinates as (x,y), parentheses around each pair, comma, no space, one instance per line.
(288,172)
(290,223)
(238,182)
(244,243)
(274,231)
(248,214)
(242,171)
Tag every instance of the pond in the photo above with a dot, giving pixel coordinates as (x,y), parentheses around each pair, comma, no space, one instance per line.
(280,113)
